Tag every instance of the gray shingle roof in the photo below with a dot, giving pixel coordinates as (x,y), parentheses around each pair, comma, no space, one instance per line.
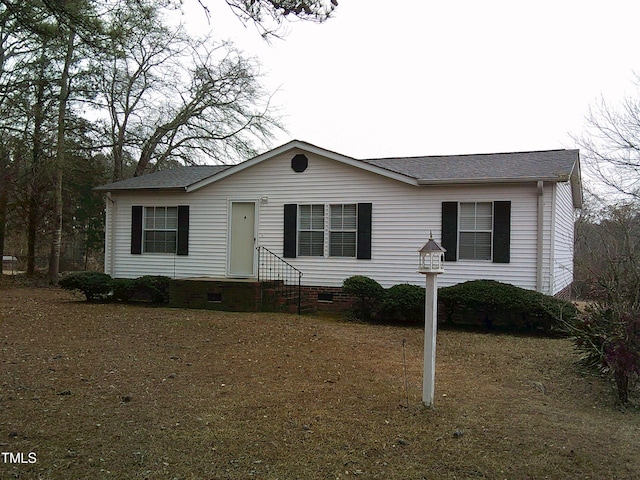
(174,178)
(542,165)
(549,165)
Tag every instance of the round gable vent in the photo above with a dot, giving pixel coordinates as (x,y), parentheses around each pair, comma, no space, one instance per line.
(299,163)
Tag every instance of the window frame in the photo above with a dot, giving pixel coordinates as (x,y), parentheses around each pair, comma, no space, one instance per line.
(146,230)
(300,231)
(475,230)
(342,230)
(327,230)
(363,233)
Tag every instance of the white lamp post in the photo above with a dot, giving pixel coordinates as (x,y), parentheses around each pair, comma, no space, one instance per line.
(431,264)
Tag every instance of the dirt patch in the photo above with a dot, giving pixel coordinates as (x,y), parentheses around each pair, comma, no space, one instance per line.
(134,392)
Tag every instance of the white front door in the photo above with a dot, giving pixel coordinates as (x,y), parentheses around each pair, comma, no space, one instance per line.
(242,239)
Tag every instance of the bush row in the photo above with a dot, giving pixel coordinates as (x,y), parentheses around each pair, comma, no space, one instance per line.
(479,302)
(495,304)
(97,286)
(400,303)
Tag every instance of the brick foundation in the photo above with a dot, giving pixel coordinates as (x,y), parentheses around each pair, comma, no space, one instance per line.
(215,295)
(253,296)
(326,300)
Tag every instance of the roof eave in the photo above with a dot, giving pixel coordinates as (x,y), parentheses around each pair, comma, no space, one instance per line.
(106,189)
(486,180)
(576,184)
(307,147)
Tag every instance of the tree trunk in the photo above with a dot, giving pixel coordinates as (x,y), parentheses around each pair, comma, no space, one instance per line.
(4,194)
(32,226)
(56,240)
(150,146)
(33,188)
(4,198)
(118,163)
(117,151)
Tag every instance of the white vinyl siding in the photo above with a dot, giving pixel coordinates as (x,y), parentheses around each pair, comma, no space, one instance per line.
(311,230)
(475,231)
(563,238)
(402,217)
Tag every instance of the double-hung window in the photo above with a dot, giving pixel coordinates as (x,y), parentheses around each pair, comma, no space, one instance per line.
(160,231)
(311,231)
(342,230)
(476,230)
(333,225)
(327,230)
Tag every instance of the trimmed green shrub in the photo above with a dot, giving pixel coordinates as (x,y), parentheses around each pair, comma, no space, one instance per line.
(124,289)
(403,303)
(495,304)
(94,285)
(368,291)
(155,287)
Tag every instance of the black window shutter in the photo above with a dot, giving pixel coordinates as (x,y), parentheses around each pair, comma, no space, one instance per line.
(450,230)
(290,230)
(136,229)
(183,230)
(501,232)
(364,231)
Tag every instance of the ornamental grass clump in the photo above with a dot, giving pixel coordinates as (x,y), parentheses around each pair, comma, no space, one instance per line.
(607,334)
(609,341)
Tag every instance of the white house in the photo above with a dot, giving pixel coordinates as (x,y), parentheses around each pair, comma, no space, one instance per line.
(505,216)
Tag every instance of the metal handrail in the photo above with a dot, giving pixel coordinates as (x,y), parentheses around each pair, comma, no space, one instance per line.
(279,270)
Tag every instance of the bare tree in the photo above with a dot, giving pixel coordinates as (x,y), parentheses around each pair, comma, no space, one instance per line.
(610,146)
(162,97)
(171,96)
(218,113)
(139,45)
(608,244)
(607,334)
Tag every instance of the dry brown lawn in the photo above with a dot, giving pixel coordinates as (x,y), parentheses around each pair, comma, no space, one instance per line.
(108,391)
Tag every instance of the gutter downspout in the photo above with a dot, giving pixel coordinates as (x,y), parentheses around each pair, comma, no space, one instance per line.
(552,241)
(540,225)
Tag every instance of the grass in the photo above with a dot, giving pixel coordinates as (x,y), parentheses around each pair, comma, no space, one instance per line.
(108,391)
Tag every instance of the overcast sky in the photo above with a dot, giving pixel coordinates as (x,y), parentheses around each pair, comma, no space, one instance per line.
(418,77)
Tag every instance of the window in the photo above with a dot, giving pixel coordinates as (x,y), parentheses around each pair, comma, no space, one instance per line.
(466,238)
(338,230)
(160,229)
(311,231)
(343,228)
(476,229)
